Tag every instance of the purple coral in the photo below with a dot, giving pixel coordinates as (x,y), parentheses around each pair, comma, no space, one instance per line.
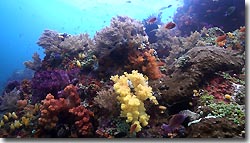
(196,14)
(174,125)
(45,82)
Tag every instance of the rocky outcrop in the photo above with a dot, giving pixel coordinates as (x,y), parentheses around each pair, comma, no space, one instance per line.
(192,69)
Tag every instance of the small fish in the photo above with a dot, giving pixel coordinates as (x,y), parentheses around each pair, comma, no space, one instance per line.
(169,6)
(170,25)
(165,7)
(230,11)
(221,38)
(151,20)
(129,1)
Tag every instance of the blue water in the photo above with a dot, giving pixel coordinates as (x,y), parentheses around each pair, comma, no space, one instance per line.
(23,21)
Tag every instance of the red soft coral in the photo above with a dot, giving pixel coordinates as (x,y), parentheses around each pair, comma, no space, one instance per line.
(82,117)
(51,107)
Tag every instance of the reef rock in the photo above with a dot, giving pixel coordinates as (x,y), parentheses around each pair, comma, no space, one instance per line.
(215,128)
(191,70)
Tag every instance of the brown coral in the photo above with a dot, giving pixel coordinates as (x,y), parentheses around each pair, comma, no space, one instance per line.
(107,99)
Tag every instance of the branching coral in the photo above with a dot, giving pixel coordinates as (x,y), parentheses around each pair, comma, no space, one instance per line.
(133,89)
(50,41)
(50,109)
(107,99)
(36,64)
(114,44)
(61,49)
(121,32)
(173,46)
(8,101)
(77,43)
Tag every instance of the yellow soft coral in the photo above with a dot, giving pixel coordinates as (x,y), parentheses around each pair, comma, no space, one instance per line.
(133,89)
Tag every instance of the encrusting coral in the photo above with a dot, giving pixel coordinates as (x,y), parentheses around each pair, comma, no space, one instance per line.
(133,89)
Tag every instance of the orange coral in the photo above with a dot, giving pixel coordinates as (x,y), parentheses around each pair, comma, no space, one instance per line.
(26,89)
(146,62)
(72,96)
(221,40)
(152,67)
(22,103)
(242,29)
(82,116)
(51,107)
(49,111)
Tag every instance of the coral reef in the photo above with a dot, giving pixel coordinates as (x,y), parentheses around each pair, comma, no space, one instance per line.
(51,107)
(120,44)
(104,87)
(196,14)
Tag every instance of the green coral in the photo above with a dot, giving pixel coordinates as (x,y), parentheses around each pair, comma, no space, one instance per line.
(231,111)
(233,79)
(206,99)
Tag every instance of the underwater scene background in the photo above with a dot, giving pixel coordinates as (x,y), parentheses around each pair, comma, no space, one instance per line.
(123,69)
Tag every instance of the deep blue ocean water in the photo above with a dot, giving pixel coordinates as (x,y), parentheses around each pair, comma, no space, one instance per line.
(23,21)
